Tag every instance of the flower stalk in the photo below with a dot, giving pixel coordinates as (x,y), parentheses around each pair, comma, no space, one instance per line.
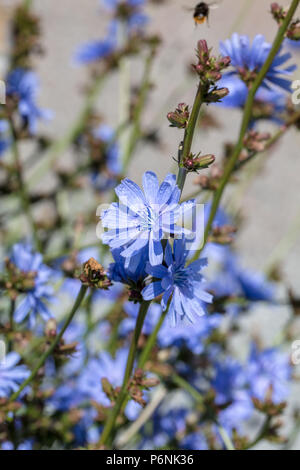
(54,344)
(246,121)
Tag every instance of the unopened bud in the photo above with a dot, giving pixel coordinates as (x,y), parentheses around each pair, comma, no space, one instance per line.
(179,118)
(216,95)
(199,163)
(51,328)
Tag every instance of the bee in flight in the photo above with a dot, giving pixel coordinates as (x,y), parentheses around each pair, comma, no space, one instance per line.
(202,10)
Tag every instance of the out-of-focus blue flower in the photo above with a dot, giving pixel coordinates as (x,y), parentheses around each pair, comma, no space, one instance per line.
(234,280)
(238,94)
(103,180)
(25,445)
(268,371)
(4,141)
(33,303)
(143,218)
(135,17)
(183,283)
(24,84)
(11,374)
(230,387)
(194,441)
(247,58)
(98,49)
(105,366)
(192,336)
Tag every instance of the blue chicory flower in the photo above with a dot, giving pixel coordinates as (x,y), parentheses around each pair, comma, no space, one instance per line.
(104,180)
(93,51)
(183,283)
(11,374)
(33,303)
(250,58)
(24,84)
(105,366)
(143,219)
(268,371)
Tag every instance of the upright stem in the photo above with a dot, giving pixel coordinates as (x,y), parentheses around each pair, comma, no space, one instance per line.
(23,192)
(110,423)
(151,341)
(246,119)
(56,341)
(185,151)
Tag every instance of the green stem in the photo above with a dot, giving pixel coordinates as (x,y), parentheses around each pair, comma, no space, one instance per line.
(246,121)
(111,421)
(56,341)
(185,147)
(23,191)
(27,4)
(261,434)
(151,341)
(225,438)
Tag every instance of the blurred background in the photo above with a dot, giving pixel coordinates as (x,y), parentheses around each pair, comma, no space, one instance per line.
(268,206)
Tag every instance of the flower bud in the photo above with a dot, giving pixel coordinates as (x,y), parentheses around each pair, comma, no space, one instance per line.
(179,118)
(94,275)
(216,95)
(195,163)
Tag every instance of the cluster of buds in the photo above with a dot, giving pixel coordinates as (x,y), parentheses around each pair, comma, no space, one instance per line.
(293,32)
(26,36)
(110,391)
(256,141)
(180,117)
(209,67)
(279,14)
(16,281)
(138,383)
(94,275)
(223,235)
(210,182)
(194,163)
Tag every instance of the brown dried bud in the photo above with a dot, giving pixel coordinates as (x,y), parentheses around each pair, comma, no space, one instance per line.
(94,275)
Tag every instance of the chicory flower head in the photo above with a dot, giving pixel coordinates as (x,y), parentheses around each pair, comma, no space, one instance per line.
(110,154)
(247,60)
(181,283)
(11,374)
(105,366)
(93,51)
(268,371)
(23,84)
(142,219)
(33,303)
(129,11)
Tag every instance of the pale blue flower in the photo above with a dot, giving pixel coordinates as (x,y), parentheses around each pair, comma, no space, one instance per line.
(33,303)
(180,283)
(143,219)
(24,84)
(247,57)
(11,374)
